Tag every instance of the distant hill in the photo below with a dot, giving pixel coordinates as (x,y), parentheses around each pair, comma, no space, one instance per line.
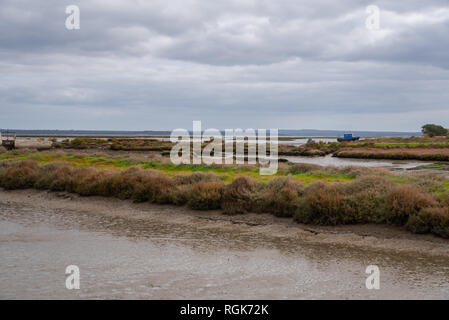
(282,132)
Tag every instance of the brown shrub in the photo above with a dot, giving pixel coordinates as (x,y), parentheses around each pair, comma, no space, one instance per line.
(47,175)
(365,198)
(359,201)
(434,220)
(20,175)
(180,194)
(445,200)
(158,187)
(206,195)
(237,197)
(121,185)
(63,179)
(86,182)
(195,177)
(280,196)
(403,201)
(321,204)
(373,183)
(141,185)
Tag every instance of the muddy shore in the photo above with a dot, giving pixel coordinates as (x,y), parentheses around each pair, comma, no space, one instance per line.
(375,237)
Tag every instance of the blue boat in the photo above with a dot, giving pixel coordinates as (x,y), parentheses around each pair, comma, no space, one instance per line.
(348,137)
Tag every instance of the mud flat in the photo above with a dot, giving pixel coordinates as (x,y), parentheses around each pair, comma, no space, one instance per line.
(129,250)
(34,144)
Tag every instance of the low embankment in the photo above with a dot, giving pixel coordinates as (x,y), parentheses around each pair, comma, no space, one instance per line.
(418,202)
(420,148)
(426,154)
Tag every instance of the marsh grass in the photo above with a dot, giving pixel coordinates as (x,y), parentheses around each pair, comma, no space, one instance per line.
(418,153)
(330,196)
(237,197)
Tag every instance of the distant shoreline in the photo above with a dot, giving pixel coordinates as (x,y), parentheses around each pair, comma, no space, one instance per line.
(163,133)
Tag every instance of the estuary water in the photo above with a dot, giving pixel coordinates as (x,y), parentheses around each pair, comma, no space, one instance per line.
(155,259)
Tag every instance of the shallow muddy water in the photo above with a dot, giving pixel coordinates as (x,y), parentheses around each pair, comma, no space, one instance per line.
(329,160)
(149,259)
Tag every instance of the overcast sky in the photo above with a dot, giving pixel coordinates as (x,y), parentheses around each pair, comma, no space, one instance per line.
(159,64)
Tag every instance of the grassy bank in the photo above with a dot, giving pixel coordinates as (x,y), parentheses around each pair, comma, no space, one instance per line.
(428,149)
(307,193)
(227,173)
(416,153)
(115,144)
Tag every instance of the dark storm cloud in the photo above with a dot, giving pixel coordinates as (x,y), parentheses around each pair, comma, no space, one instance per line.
(160,64)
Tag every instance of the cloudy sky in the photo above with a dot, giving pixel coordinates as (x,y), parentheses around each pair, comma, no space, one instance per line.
(159,64)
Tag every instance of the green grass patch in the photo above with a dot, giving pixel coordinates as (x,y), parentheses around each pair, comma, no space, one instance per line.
(227,173)
(13,155)
(307,178)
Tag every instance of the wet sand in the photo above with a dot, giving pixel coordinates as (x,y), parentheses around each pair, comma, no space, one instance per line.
(145,251)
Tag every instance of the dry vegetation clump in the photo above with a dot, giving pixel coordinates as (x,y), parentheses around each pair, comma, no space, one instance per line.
(140,185)
(280,196)
(238,195)
(54,176)
(404,201)
(365,198)
(321,204)
(158,188)
(202,197)
(88,182)
(430,220)
(3,149)
(195,177)
(62,179)
(124,184)
(368,199)
(180,194)
(20,175)
(206,195)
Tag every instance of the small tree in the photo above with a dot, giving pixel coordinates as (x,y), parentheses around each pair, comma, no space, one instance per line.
(434,130)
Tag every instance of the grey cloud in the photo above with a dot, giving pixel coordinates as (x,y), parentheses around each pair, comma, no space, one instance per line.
(160,64)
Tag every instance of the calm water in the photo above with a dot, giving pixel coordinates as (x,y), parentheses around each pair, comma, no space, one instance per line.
(341,162)
(147,259)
